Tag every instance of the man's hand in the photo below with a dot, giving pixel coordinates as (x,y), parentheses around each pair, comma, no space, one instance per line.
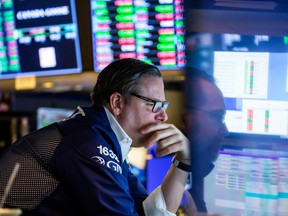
(169,140)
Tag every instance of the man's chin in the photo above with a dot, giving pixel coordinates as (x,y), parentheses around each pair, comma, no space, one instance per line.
(205,154)
(214,153)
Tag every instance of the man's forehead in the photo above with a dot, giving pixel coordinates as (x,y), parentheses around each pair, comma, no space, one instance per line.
(214,100)
(149,82)
(205,94)
(152,86)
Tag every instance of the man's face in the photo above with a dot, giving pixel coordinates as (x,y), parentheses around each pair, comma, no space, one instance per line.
(138,113)
(205,122)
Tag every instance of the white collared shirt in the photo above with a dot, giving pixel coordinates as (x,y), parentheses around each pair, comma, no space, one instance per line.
(124,140)
(154,204)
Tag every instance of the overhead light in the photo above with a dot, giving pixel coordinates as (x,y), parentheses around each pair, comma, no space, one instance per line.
(47,85)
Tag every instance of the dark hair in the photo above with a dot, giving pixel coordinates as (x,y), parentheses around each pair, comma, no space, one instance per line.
(121,76)
(194,95)
(192,73)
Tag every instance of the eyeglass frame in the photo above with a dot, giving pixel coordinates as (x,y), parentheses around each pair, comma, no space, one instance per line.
(164,104)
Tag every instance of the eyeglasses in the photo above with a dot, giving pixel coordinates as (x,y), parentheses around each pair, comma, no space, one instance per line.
(157,105)
(218,116)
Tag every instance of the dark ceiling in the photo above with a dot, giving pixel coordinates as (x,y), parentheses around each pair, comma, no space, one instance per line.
(242,5)
(267,17)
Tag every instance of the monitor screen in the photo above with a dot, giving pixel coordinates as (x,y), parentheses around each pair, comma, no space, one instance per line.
(157,168)
(156,171)
(252,72)
(249,178)
(39,38)
(152,31)
(49,115)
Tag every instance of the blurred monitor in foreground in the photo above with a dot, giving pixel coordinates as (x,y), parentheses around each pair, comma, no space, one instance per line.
(250,178)
(49,115)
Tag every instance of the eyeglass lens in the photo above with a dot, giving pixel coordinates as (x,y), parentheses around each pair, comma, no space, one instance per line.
(158,105)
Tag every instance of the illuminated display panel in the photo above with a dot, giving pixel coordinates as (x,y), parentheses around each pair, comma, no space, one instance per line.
(254,83)
(249,179)
(49,115)
(38,38)
(252,72)
(152,31)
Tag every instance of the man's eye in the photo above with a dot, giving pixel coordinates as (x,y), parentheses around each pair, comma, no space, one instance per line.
(219,117)
(150,104)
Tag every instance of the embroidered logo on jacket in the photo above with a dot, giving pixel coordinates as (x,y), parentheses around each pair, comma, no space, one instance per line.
(105,153)
(99,160)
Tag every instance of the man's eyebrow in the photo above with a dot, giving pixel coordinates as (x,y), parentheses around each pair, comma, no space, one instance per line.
(218,111)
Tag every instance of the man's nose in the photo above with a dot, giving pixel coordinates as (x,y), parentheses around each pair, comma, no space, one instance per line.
(223,130)
(161,116)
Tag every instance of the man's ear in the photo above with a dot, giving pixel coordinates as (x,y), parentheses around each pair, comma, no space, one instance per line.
(116,103)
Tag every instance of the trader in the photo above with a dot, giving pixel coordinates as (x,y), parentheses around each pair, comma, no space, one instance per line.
(206,128)
(79,166)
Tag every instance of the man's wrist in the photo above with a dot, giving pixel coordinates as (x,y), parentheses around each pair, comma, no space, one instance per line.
(181,165)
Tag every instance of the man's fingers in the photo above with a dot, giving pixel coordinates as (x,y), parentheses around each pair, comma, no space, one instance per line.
(154,127)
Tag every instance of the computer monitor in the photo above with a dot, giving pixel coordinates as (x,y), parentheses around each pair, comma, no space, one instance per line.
(252,73)
(49,115)
(250,178)
(39,38)
(157,168)
(152,31)
(156,171)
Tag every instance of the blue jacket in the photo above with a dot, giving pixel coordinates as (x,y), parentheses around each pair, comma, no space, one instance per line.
(76,169)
